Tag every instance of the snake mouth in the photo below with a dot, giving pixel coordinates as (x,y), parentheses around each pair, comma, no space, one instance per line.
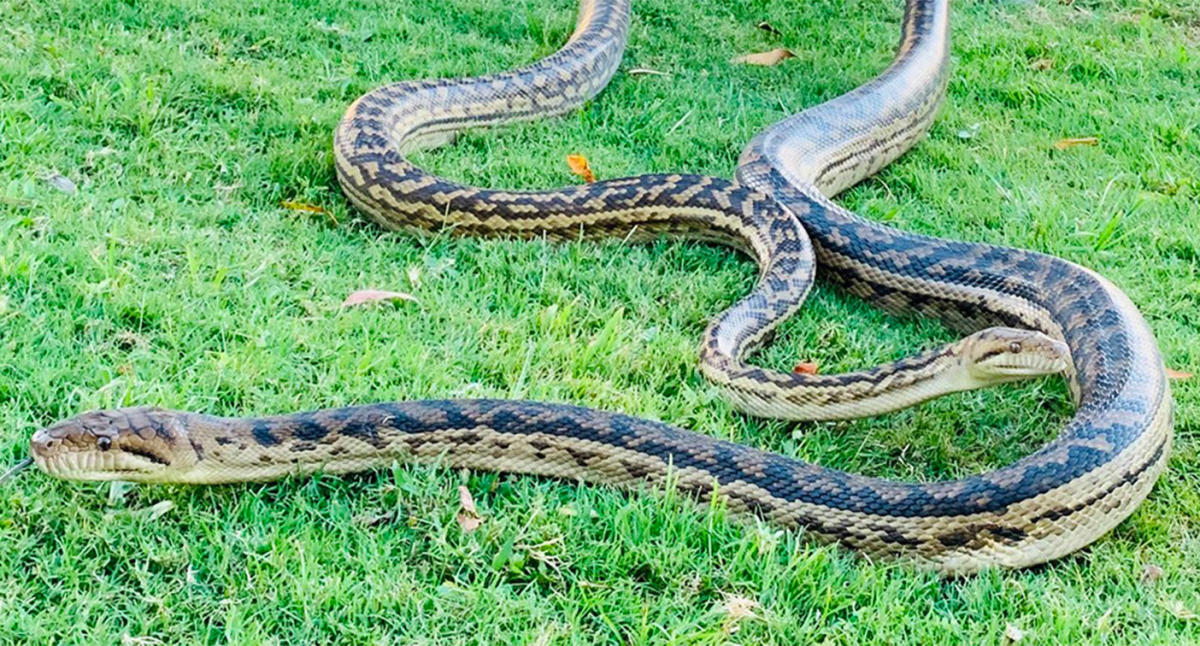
(93,467)
(1018,371)
(61,457)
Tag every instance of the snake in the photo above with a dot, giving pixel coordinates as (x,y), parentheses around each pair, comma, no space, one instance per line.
(1024,314)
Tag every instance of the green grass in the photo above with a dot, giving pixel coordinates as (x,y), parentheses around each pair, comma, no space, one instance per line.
(173,277)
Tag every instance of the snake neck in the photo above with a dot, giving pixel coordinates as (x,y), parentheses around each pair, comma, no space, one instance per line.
(823,148)
(883,389)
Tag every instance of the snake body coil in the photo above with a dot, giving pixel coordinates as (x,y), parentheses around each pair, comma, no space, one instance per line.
(1050,503)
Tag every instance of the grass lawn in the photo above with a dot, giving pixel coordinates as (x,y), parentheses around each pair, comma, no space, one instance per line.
(172,276)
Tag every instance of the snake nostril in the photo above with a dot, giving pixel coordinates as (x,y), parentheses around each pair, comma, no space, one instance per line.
(41,443)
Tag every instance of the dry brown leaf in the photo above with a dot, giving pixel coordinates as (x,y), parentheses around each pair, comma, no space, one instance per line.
(773,57)
(640,71)
(768,27)
(579,165)
(1071,142)
(806,368)
(1178,375)
(1041,64)
(468,517)
(1151,573)
(467,522)
(364,296)
(1012,634)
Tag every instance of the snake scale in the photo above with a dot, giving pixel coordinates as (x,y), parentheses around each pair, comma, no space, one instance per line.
(1026,314)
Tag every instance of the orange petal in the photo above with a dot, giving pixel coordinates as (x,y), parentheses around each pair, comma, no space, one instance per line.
(805,368)
(579,165)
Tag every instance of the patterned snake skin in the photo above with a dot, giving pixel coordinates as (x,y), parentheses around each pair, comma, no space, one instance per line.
(1050,315)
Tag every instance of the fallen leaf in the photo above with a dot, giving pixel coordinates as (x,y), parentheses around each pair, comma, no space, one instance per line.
(970,131)
(805,368)
(159,509)
(1151,573)
(773,57)
(1071,142)
(302,206)
(1179,611)
(1013,634)
(639,71)
(60,183)
(468,517)
(308,208)
(375,520)
(363,296)
(768,27)
(1041,64)
(736,609)
(579,165)
(1178,375)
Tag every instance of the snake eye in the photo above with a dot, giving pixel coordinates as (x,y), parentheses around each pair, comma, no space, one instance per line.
(104,443)
(1014,347)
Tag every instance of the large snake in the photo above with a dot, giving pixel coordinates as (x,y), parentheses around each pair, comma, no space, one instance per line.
(1049,315)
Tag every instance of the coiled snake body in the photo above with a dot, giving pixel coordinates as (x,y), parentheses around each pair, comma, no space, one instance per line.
(1047,504)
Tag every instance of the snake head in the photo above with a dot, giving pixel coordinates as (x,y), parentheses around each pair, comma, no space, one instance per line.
(135,444)
(1001,354)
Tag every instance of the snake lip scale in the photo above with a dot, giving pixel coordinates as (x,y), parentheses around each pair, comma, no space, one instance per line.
(1024,313)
